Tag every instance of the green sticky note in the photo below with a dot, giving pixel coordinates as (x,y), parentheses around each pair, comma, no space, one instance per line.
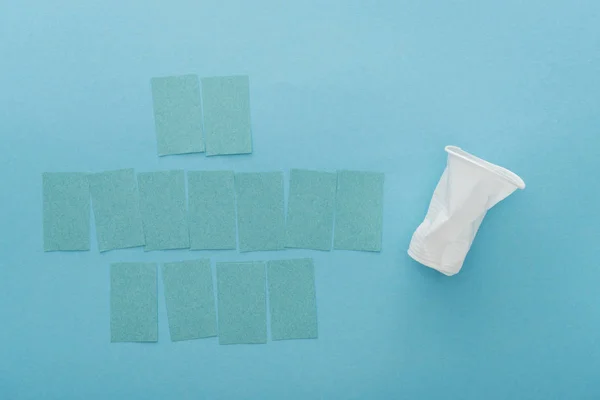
(133,303)
(311,206)
(359,211)
(261,219)
(211,203)
(190,299)
(242,303)
(163,209)
(292,299)
(226,104)
(177,114)
(116,207)
(66,211)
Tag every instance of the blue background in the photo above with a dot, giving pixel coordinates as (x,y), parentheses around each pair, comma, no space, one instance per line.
(377,85)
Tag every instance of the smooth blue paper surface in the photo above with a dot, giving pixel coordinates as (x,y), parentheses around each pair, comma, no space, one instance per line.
(380,86)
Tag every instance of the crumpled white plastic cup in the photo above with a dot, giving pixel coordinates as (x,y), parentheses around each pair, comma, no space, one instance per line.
(468,188)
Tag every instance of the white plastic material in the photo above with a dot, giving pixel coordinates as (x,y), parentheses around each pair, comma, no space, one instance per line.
(468,188)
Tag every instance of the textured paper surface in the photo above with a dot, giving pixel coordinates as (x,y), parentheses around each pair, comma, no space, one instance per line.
(163,209)
(190,299)
(311,206)
(242,303)
(66,211)
(359,211)
(292,299)
(177,114)
(133,302)
(211,203)
(261,219)
(226,104)
(116,210)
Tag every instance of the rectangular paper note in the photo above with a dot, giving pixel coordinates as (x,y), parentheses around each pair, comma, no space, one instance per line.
(133,304)
(359,211)
(242,303)
(226,104)
(66,211)
(292,299)
(261,219)
(164,214)
(211,202)
(190,299)
(311,206)
(177,114)
(116,210)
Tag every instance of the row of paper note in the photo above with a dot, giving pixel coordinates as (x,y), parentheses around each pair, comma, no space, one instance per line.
(238,316)
(215,119)
(218,210)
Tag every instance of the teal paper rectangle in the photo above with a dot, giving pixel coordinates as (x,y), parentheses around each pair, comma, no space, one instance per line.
(163,209)
(177,114)
(359,211)
(311,207)
(190,300)
(260,211)
(133,302)
(211,203)
(242,303)
(292,299)
(66,211)
(226,104)
(115,201)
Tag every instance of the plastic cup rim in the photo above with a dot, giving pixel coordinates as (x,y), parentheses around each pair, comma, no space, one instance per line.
(497,170)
